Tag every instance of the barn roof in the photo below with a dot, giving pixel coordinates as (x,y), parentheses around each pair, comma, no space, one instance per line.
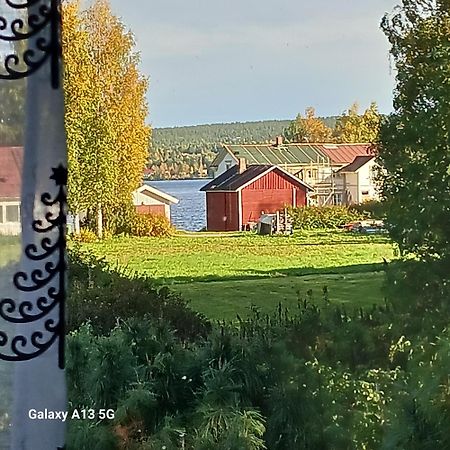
(232,180)
(357,163)
(297,153)
(11,160)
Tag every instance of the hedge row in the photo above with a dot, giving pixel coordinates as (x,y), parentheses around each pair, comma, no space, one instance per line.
(313,217)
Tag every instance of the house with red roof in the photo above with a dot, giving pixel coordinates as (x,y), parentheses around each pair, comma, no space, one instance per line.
(11,160)
(318,165)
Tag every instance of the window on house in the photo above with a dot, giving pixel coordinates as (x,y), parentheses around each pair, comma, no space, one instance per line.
(337,199)
(12,213)
(1,213)
(309,174)
(365,192)
(227,165)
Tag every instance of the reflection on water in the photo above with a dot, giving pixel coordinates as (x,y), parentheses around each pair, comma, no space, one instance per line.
(190,213)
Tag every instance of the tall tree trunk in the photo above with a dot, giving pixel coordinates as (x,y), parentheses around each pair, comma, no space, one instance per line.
(99,221)
(76,224)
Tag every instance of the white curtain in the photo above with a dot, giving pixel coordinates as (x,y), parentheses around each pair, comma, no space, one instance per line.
(38,383)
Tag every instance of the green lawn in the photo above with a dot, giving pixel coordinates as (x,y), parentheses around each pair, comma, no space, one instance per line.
(225,299)
(224,274)
(9,250)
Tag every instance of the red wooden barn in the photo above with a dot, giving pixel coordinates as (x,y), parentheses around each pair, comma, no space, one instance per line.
(240,195)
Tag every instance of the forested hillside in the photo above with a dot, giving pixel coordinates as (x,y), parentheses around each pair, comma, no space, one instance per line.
(186,152)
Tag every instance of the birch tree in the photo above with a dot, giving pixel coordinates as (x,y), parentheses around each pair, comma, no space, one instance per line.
(106,110)
(308,129)
(352,127)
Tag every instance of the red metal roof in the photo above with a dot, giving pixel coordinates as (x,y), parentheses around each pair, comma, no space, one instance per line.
(345,153)
(11,160)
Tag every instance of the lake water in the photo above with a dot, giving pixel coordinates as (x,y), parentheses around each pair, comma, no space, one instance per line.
(190,213)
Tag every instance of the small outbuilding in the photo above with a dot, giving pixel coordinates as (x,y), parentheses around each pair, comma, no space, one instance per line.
(148,199)
(11,160)
(238,197)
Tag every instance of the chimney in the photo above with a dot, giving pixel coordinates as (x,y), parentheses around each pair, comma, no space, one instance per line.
(278,141)
(242,165)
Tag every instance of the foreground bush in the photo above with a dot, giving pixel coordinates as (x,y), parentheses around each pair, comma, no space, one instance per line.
(312,217)
(128,221)
(125,220)
(257,385)
(150,225)
(102,295)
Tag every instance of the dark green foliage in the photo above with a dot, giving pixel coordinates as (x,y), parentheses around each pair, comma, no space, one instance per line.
(246,386)
(12,112)
(372,209)
(84,435)
(420,412)
(12,104)
(312,217)
(102,295)
(414,147)
(428,283)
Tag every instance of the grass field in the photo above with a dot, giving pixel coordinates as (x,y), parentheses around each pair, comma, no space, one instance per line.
(9,250)
(9,255)
(224,274)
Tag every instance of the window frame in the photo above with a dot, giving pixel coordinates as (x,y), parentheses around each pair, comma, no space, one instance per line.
(4,211)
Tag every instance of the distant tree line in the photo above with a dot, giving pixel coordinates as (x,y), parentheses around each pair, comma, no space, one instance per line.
(187,152)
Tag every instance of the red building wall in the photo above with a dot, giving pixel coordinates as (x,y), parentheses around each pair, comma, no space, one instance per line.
(222,211)
(151,209)
(269,194)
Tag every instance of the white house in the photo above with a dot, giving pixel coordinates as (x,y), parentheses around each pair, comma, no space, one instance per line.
(357,182)
(11,160)
(340,174)
(148,199)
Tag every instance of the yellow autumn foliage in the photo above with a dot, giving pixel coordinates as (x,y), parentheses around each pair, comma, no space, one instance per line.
(106,109)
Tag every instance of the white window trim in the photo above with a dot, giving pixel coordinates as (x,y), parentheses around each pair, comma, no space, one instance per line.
(4,205)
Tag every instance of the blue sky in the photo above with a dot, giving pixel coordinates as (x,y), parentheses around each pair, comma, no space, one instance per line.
(215,61)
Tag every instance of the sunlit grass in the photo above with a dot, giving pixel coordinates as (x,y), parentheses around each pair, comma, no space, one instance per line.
(187,259)
(224,274)
(9,249)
